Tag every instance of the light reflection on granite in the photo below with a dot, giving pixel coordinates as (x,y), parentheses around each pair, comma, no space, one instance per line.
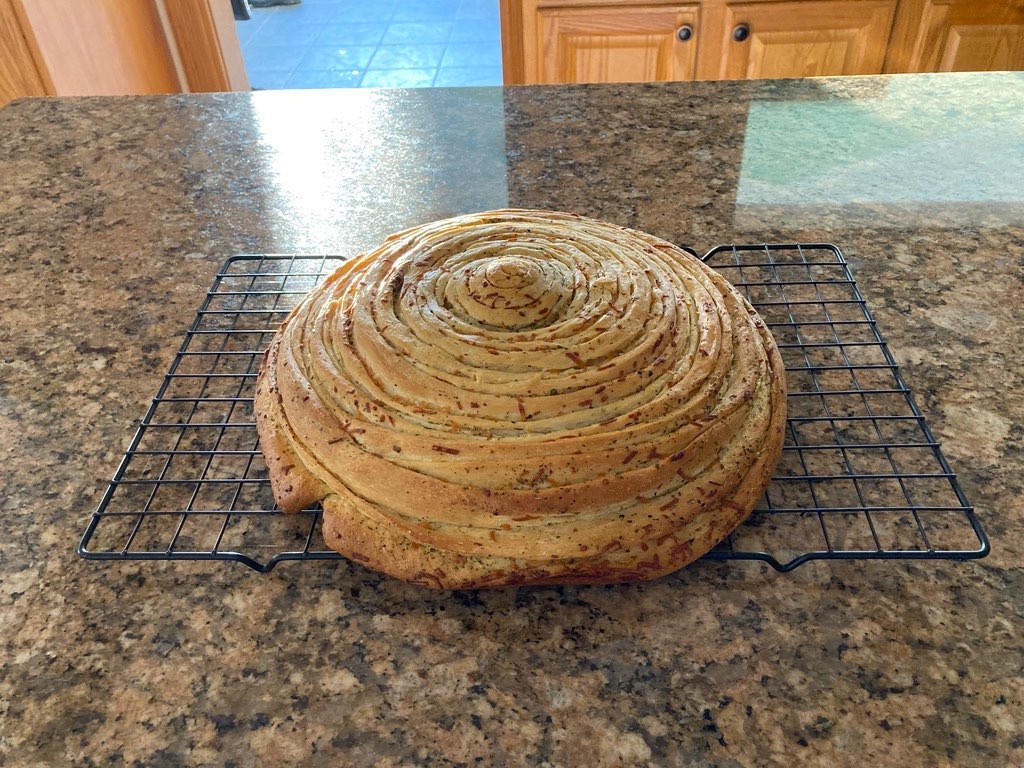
(336,165)
(919,141)
(115,214)
(918,150)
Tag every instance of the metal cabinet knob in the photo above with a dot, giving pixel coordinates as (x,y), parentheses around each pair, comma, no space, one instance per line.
(741,32)
(684,33)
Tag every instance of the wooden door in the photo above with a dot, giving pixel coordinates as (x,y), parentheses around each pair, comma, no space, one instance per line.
(616,44)
(98,47)
(101,47)
(19,74)
(797,39)
(957,36)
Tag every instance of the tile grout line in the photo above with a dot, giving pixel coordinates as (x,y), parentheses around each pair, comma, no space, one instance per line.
(376,49)
(447,43)
(246,53)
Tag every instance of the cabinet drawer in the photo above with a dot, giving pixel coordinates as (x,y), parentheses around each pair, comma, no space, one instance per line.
(957,36)
(799,39)
(605,45)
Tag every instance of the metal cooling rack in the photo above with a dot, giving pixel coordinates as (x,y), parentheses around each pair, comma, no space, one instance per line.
(861,475)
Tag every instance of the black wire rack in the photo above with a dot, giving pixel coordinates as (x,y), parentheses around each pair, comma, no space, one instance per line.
(861,475)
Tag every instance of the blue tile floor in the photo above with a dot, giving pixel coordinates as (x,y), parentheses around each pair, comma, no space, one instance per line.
(373,44)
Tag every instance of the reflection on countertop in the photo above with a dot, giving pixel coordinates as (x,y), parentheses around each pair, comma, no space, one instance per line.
(929,149)
(376,156)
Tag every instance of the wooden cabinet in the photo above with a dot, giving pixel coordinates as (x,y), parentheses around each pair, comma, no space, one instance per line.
(957,36)
(19,75)
(601,45)
(62,48)
(578,41)
(840,37)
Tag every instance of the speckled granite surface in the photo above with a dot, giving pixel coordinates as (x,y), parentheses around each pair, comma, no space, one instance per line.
(114,215)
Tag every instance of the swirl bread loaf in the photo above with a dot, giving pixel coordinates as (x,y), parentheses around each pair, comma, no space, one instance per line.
(522,397)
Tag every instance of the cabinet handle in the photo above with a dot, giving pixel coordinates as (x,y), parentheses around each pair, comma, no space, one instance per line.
(684,33)
(741,32)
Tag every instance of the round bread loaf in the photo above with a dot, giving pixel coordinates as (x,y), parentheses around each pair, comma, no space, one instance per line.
(522,397)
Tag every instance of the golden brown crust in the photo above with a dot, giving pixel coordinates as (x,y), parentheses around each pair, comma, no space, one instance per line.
(522,397)
(293,486)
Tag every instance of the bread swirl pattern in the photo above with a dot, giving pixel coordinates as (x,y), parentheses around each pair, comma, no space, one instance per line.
(522,397)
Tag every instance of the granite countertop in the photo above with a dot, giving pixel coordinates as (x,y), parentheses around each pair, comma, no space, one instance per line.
(115,214)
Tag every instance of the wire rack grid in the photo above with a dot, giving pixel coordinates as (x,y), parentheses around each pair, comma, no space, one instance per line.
(861,475)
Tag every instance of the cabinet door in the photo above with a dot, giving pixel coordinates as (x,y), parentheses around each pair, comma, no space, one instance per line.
(798,39)
(958,36)
(616,44)
(19,72)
